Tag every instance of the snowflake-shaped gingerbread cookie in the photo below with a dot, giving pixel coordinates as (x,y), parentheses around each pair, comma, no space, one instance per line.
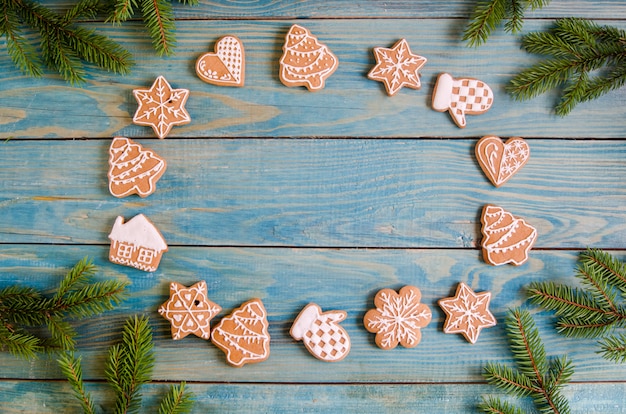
(398,318)
(161,107)
(397,67)
(467,312)
(189,310)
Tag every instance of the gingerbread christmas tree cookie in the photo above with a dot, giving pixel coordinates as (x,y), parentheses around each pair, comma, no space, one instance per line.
(305,61)
(467,312)
(243,335)
(133,169)
(398,318)
(161,107)
(321,333)
(506,238)
(189,310)
(397,67)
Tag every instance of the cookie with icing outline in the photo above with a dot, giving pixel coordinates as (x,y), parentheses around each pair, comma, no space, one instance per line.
(161,107)
(136,243)
(189,310)
(460,97)
(243,335)
(133,169)
(398,317)
(501,160)
(506,238)
(467,312)
(226,65)
(397,67)
(321,333)
(305,61)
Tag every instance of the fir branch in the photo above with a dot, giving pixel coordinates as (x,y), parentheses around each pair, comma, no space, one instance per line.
(597,309)
(158,17)
(492,405)
(130,364)
(64,45)
(22,308)
(128,367)
(72,370)
(585,60)
(177,400)
(535,377)
(613,348)
(488,14)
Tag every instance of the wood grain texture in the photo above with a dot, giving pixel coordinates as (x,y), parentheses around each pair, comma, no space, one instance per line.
(374,192)
(286,280)
(52,398)
(318,193)
(350,105)
(281,9)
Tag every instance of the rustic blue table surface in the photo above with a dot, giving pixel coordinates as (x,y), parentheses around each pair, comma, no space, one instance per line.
(296,197)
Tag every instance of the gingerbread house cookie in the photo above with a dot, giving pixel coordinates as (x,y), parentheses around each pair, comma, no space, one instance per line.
(136,243)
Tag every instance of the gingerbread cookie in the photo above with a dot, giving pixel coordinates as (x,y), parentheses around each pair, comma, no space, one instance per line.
(305,61)
(136,243)
(397,67)
(461,97)
(161,107)
(321,333)
(506,238)
(398,318)
(226,66)
(501,161)
(243,335)
(467,312)
(189,310)
(133,169)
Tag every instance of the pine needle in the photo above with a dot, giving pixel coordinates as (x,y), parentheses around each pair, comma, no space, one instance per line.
(489,14)
(597,309)
(177,400)
(584,61)
(535,376)
(72,370)
(76,297)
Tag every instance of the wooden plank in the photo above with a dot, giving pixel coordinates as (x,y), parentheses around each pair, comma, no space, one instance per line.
(45,397)
(224,9)
(320,193)
(286,280)
(350,105)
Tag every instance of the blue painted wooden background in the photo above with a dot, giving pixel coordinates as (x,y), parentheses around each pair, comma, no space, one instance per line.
(298,197)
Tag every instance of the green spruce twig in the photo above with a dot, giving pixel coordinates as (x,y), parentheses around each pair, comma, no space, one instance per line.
(64,45)
(158,17)
(77,297)
(596,309)
(489,14)
(536,376)
(584,59)
(129,367)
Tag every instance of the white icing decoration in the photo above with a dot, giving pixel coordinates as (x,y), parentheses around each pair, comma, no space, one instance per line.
(497,235)
(323,336)
(461,96)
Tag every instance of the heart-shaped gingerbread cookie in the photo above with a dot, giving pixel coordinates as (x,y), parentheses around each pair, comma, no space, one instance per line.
(224,67)
(501,160)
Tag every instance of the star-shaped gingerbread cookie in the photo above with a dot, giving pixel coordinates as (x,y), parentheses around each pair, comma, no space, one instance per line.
(467,312)
(161,107)
(189,310)
(397,67)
